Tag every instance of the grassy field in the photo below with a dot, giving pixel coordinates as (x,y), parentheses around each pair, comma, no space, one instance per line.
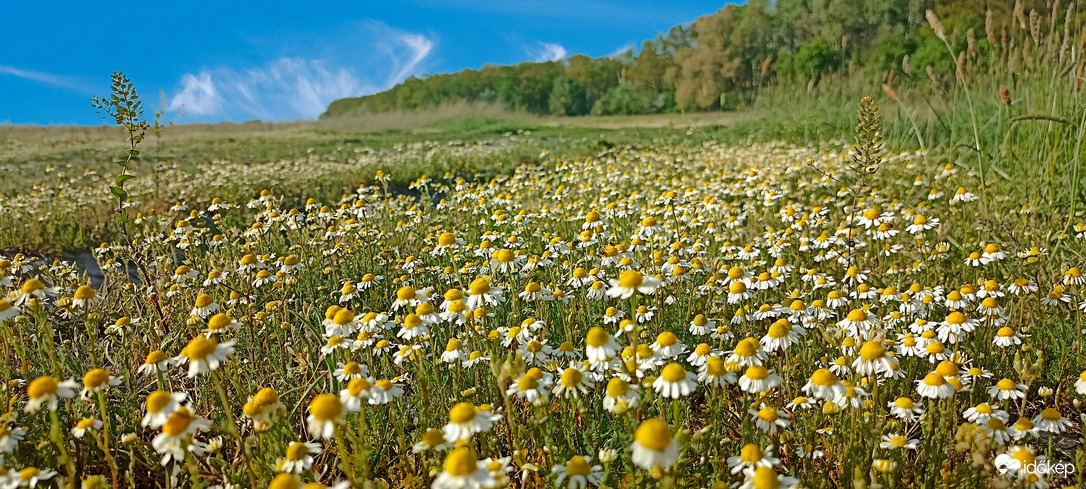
(821,291)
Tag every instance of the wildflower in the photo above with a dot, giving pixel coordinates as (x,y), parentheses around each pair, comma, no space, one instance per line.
(384,391)
(577,473)
(298,457)
(630,282)
(263,408)
(46,390)
(600,346)
(873,360)
(824,385)
(769,419)
(573,382)
(97,380)
(653,446)
(433,439)
(1007,389)
(325,413)
(667,345)
(463,470)
(29,477)
(898,442)
(701,325)
(674,382)
(465,421)
(159,406)
(1052,421)
(533,385)
(85,425)
(483,294)
(752,456)
(758,379)
(747,352)
(767,477)
(358,388)
(934,386)
(221,324)
(174,439)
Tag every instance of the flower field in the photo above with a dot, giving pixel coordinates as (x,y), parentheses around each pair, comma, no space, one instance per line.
(666,315)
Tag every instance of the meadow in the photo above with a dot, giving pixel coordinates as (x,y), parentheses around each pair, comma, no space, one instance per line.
(830,290)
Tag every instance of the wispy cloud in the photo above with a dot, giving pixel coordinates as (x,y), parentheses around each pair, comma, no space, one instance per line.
(547,51)
(61,81)
(621,51)
(301,87)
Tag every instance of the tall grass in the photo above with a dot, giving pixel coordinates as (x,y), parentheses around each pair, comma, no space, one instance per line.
(1010,111)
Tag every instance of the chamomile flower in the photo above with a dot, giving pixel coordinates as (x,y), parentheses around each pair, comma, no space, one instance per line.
(298,457)
(463,470)
(577,473)
(465,421)
(326,412)
(46,390)
(630,282)
(654,447)
(204,355)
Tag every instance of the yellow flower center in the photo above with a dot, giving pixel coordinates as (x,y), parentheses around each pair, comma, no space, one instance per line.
(934,379)
(357,386)
(480,286)
(571,377)
(158,400)
(578,466)
(757,372)
(200,348)
(673,372)
(42,386)
(284,481)
(653,434)
(857,315)
(872,350)
(297,451)
(85,292)
(461,413)
(95,378)
(325,407)
(823,377)
(177,424)
(630,279)
(461,462)
(433,437)
(597,337)
(28,473)
(715,367)
(219,322)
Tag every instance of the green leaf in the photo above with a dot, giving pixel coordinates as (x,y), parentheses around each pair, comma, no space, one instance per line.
(133,152)
(119,192)
(123,178)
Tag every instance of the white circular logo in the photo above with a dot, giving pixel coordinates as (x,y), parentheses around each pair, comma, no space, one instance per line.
(1004,463)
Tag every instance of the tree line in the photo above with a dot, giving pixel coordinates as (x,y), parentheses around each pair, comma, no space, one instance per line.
(721,60)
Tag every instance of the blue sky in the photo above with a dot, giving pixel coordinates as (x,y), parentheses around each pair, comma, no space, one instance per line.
(285,60)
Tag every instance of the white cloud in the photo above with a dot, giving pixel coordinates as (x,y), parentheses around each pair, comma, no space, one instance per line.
(46,78)
(621,51)
(548,52)
(197,96)
(418,47)
(301,87)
